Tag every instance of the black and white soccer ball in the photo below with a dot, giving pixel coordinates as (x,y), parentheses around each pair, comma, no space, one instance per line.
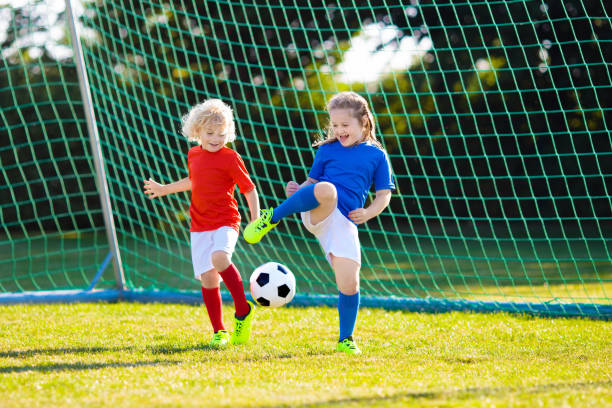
(272,284)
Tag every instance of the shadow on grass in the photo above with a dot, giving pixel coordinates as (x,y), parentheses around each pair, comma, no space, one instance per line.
(457,394)
(83,366)
(171,349)
(156,350)
(69,350)
(249,358)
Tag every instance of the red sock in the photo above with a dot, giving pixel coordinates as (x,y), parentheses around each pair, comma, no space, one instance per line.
(212,300)
(233,281)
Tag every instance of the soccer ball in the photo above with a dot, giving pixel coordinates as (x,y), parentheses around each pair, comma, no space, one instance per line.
(272,284)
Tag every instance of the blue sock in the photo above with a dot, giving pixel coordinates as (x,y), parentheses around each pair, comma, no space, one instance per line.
(300,201)
(348,306)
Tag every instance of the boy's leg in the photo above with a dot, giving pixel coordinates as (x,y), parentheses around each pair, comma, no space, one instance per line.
(232,279)
(212,299)
(347,279)
(320,199)
(244,309)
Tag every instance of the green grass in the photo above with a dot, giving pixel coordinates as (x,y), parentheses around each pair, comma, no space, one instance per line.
(137,355)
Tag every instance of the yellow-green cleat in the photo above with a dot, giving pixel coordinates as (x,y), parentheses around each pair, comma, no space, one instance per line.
(348,346)
(220,339)
(242,328)
(255,231)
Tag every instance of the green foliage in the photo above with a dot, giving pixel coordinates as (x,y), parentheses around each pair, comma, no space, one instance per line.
(543,93)
(126,355)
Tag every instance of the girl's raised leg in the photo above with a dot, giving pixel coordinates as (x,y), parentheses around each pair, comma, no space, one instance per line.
(320,199)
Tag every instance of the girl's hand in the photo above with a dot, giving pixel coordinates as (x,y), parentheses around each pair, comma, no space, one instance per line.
(153,189)
(291,188)
(359,215)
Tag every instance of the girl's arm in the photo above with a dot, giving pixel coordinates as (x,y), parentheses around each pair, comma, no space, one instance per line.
(292,186)
(380,202)
(153,189)
(253,200)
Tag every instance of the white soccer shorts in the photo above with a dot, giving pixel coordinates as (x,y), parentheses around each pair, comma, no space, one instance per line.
(337,235)
(204,244)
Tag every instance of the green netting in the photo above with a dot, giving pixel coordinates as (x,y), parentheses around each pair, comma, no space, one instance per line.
(52,236)
(495,115)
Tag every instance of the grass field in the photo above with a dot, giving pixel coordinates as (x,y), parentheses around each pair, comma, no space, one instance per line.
(138,355)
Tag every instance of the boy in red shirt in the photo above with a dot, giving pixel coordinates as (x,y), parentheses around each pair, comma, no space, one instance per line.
(214,170)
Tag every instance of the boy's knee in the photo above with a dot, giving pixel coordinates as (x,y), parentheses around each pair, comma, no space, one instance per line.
(210,279)
(221,260)
(325,192)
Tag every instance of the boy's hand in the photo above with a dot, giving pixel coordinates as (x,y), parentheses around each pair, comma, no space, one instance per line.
(153,189)
(291,188)
(359,215)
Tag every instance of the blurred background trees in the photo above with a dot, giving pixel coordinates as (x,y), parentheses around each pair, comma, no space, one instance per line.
(508,102)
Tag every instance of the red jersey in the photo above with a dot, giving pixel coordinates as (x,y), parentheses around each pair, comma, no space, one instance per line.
(213,177)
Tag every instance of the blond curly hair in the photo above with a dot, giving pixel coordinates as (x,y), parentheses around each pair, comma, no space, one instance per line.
(210,112)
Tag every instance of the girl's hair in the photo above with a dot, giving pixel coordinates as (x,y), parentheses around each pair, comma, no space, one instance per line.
(210,112)
(361,111)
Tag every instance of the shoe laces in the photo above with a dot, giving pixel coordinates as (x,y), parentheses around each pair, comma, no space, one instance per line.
(218,335)
(350,344)
(264,220)
(239,325)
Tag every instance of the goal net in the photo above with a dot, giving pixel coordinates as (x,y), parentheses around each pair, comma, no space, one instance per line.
(495,116)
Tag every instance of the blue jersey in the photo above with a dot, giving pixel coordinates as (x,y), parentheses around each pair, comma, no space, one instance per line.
(352,170)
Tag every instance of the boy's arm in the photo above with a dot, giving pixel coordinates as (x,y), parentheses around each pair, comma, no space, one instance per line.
(153,189)
(253,200)
(380,202)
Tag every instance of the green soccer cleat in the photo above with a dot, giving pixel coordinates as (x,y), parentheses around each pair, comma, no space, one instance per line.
(242,328)
(220,339)
(348,346)
(254,232)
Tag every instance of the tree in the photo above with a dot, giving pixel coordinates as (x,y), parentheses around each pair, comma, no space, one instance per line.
(504,115)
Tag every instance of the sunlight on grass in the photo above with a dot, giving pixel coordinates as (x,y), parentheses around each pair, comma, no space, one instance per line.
(155,355)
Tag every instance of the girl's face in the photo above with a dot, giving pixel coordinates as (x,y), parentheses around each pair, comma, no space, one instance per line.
(213,137)
(347,129)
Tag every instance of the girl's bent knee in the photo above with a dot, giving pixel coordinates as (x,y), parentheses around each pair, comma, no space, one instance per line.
(325,191)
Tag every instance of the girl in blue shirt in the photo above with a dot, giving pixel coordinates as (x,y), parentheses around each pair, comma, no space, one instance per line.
(331,200)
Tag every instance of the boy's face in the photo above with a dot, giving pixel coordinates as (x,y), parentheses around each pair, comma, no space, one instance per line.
(213,137)
(347,129)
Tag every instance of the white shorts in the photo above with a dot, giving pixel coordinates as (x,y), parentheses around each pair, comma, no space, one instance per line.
(203,244)
(337,235)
